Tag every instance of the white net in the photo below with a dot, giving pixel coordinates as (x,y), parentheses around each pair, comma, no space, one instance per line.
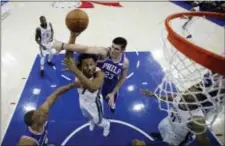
(65,4)
(188,89)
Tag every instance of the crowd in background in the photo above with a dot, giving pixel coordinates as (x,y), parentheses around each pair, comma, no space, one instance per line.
(211,6)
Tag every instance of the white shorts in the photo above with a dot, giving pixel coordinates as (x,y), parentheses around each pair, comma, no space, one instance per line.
(92,110)
(174,134)
(49,50)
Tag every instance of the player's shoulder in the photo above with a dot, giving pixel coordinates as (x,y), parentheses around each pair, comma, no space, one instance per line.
(105,51)
(38,28)
(27,140)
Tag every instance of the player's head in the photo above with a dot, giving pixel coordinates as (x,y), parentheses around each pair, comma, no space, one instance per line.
(34,117)
(43,20)
(118,46)
(87,64)
(195,4)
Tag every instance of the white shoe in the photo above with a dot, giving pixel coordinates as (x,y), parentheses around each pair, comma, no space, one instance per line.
(91,126)
(106,129)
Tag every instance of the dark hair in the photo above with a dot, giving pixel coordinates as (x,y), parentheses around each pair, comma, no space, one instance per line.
(120,41)
(41,17)
(28,118)
(83,56)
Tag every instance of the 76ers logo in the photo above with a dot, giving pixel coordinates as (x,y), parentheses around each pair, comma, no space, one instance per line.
(84,4)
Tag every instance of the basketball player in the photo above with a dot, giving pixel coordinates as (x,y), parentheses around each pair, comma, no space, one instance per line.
(195,8)
(91,78)
(173,128)
(43,37)
(112,61)
(37,120)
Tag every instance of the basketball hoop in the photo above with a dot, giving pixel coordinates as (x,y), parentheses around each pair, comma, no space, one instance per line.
(189,66)
(182,44)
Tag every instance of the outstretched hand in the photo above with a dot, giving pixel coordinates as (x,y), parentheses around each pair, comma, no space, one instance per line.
(147,92)
(70,64)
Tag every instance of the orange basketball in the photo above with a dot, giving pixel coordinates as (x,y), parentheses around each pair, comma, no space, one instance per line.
(77,20)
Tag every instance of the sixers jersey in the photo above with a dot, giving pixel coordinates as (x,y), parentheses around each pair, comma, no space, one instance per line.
(40,138)
(112,71)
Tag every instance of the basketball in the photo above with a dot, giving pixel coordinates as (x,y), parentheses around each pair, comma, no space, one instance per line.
(77,20)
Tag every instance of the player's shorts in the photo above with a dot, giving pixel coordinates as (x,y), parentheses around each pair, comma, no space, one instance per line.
(48,50)
(174,135)
(92,110)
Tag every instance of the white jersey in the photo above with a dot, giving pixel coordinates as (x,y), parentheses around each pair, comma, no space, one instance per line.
(46,34)
(87,96)
(91,103)
(174,128)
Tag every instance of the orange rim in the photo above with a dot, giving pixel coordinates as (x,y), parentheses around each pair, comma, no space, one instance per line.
(208,59)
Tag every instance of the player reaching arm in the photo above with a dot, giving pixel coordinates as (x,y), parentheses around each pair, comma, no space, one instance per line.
(173,128)
(112,61)
(197,125)
(91,85)
(36,120)
(91,78)
(149,93)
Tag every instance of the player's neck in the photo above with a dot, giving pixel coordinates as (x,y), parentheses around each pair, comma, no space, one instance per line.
(44,25)
(117,58)
(37,128)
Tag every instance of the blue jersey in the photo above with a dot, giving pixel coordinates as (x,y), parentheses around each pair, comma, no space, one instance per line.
(40,138)
(112,71)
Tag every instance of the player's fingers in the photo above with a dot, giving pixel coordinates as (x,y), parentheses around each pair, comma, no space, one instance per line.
(66,61)
(65,64)
(65,69)
(143,91)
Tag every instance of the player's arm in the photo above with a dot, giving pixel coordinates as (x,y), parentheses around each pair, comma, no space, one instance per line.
(122,77)
(77,84)
(85,49)
(79,48)
(26,142)
(201,138)
(52,30)
(38,36)
(54,96)
(149,93)
(90,85)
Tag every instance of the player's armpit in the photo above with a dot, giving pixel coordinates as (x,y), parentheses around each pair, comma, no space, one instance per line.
(26,142)
(199,127)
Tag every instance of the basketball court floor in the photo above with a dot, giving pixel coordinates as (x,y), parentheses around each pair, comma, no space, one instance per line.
(141,23)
